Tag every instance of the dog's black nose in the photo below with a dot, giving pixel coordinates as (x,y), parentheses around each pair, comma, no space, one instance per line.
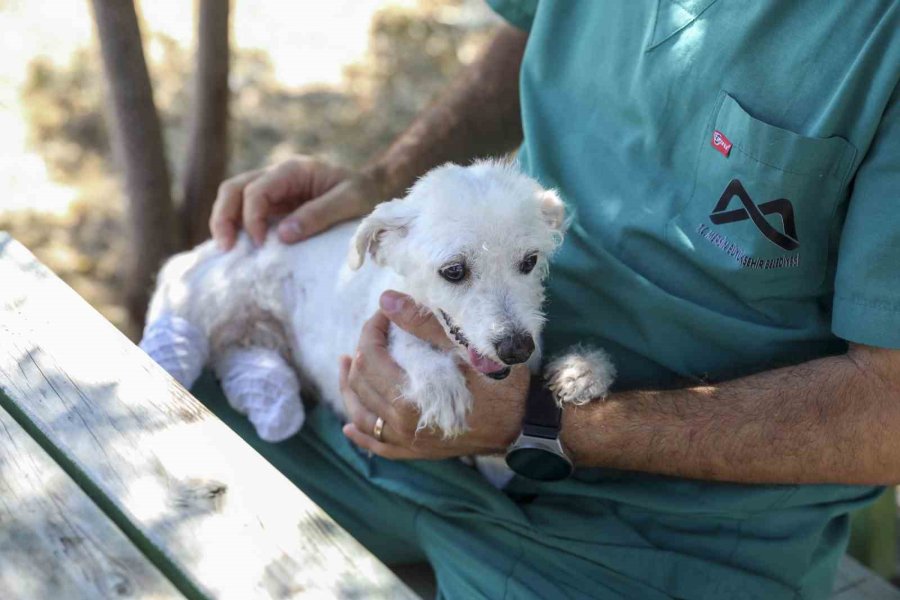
(515,349)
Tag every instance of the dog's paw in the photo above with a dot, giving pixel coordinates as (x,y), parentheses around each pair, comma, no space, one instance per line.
(580,376)
(434,384)
(259,383)
(178,346)
(442,397)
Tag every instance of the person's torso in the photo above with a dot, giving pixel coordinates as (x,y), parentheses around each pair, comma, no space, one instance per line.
(707,149)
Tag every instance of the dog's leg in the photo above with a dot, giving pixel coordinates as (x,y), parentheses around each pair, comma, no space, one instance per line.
(259,383)
(177,346)
(171,339)
(251,355)
(580,376)
(434,383)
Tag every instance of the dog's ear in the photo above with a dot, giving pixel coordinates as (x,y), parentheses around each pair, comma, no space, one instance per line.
(553,209)
(386,224)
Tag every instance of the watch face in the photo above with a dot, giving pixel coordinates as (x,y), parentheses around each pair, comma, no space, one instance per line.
(540,464)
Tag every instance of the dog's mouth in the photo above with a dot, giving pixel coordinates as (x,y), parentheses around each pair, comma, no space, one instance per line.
(479,362)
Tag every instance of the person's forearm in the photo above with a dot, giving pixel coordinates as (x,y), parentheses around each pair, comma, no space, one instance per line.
(831,420)
(477,117)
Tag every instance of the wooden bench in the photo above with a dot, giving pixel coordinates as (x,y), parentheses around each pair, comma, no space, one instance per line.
(116,483)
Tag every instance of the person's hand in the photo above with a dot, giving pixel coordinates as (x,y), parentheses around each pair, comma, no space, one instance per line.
(313,194)
(370,384)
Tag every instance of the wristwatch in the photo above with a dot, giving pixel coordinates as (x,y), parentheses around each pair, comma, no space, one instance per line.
(537,453)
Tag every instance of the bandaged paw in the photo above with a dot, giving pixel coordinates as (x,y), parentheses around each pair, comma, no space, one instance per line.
(177,346)
(259,383)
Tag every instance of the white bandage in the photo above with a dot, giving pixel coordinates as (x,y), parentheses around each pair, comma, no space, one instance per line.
(177,346)
(259,383)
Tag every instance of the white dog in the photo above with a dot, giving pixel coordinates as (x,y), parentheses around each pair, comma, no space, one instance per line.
(471,244)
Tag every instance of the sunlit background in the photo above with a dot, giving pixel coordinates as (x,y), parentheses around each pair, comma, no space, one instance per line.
(337,79)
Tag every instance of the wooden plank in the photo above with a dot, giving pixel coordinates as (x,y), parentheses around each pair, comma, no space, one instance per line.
(54,541)
(855,582)
(213,515)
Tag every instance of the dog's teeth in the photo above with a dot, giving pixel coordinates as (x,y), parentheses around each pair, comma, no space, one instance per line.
(454,330)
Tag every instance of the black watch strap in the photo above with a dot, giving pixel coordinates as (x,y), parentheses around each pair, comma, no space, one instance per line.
(543,415)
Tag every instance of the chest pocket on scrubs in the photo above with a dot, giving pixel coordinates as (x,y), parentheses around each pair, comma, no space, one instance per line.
(762,211)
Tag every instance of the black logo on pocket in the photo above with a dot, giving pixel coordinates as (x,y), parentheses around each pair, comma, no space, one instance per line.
(756,213)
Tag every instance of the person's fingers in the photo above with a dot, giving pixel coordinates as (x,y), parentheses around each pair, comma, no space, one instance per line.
(363,420)
(381,398)
(339,204)
(357,412)
(417,320)
(224,221)
(415,451)
(373,361)
(327,195)
(382,449)
(377,381)
(273,193)
(374,334)
(363,404)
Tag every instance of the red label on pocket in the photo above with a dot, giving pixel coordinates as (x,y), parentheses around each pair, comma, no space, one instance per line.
(720,143)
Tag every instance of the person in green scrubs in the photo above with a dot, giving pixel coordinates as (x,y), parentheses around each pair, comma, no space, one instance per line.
(733,171)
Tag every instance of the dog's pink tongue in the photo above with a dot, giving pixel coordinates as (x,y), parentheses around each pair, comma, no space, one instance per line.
(482,363)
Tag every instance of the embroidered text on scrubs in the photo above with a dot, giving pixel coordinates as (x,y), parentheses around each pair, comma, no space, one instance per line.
(746,261)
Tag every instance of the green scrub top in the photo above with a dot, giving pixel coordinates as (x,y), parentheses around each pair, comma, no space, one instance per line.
(733,169)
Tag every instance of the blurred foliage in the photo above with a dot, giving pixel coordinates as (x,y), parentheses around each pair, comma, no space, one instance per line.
(83,246)
(64,112)
(413,53)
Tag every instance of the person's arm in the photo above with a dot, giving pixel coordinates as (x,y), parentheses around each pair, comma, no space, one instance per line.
(477,117)
(830,420)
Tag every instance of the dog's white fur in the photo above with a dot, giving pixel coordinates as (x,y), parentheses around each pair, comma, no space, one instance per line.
(307,303)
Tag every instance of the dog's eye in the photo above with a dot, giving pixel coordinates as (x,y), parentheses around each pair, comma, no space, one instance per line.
(528,263)
(454,273)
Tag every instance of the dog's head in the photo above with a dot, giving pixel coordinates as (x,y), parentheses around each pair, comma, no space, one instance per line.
(472,244)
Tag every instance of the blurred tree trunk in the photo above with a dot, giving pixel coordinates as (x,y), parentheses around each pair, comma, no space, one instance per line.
(138,144)
(207,153)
